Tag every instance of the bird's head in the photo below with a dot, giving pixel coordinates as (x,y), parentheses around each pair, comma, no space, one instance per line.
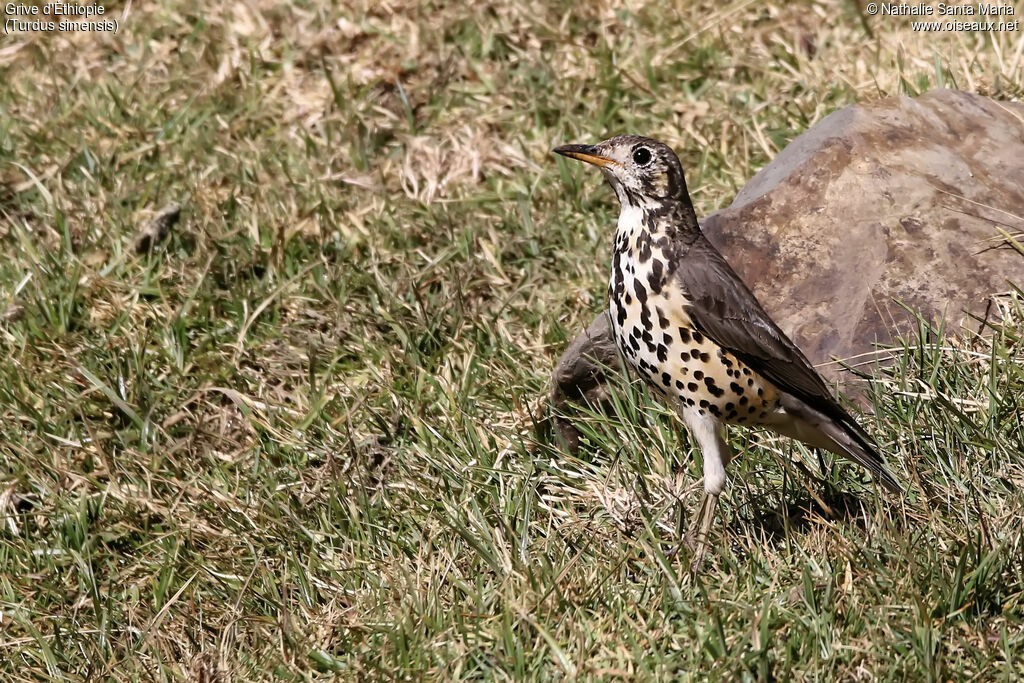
(643,172)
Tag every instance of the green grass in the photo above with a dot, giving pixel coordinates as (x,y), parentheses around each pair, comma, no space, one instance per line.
(295,439)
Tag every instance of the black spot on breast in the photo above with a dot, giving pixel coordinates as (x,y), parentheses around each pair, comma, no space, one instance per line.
(704,358)
(746,370)
(634,343)
(731,415)
(645,317)
(679,384)
(760,391)
(698,338)
(662,320)
(689,401)
(750,382)
(698,375)
(655,277)
(752,410)
(666,338)
(715,410)
(629,298)
(695,354)
(662,353)
(743,400)
(713,388)
(644,247)
(703,403)
(666,379)
(684,335)
(736,388)
(641,293)
(692,386)
(730,406)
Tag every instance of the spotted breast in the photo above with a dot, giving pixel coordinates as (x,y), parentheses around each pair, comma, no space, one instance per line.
(652,328)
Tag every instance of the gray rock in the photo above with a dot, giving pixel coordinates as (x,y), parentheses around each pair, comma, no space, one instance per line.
(896,202)
(580,375)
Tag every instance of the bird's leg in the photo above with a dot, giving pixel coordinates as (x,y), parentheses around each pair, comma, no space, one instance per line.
(709,434)
(697,537)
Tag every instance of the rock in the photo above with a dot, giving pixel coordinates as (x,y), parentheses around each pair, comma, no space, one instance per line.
(898,201)
(580,374)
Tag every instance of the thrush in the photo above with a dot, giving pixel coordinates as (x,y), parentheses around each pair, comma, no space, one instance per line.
(687,323)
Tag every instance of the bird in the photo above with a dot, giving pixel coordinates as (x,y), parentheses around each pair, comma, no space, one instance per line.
(688,324)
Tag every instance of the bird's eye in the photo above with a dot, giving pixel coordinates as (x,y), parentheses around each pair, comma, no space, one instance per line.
(642,156)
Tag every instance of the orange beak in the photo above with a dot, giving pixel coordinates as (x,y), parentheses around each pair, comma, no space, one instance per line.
(587,153)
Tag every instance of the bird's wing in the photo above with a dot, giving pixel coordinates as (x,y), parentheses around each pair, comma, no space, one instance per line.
(725,310)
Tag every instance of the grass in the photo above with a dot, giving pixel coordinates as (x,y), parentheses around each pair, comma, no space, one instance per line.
(294,439)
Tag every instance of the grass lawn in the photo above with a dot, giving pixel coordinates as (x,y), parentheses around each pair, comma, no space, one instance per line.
(293,439)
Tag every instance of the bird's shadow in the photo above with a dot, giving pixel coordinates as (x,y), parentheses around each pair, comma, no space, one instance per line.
(774,517)
(771,516)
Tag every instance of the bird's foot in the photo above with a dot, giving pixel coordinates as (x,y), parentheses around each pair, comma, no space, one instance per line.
(696,539)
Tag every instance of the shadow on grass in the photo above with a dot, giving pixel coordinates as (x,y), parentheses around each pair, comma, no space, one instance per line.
(796,511)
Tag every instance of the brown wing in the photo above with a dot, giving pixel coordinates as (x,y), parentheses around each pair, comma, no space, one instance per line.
(725,310)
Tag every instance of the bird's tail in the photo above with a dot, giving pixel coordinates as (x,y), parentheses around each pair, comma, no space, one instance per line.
(841,436)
